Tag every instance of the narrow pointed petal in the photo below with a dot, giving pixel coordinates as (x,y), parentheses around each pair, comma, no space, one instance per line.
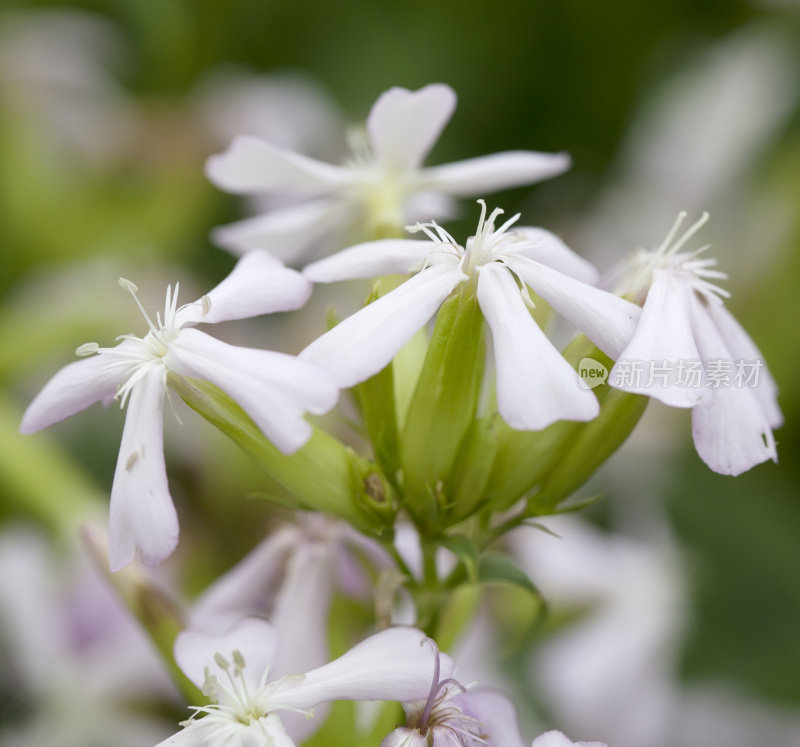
(251,165)
(289,232)
(72,389)
(249,588)
(496,712)
(535,385)
(253,637)
(366,342)
(403,125)
(547,248)
(370,260)
(274,389)
(259,284)
(742,348)
(607,320)
(486,174)
(557,739)
(395,664)
(731,431)
(663,341)
(141,514)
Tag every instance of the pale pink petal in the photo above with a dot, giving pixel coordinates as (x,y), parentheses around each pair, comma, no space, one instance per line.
(366,342)
(370,260)
(547,248)
(395,664)
(72,389)
(662,344)
(258,284)
(535,385)
(253,637)
(205,732)
(403,125)
(497,714)
(486,174)
(141,514)
(731,431)
(250,587)
(288,232)
(404,737)
(252,165)
(607,320)
(557,739)
(274,389)
(742,348)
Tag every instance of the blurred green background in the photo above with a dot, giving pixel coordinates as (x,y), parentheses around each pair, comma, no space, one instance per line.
(663,106)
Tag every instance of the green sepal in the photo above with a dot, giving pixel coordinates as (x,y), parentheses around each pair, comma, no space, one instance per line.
(464,549)
(324,475)
(591,444)
(496,568)
(443,405)
(467,483)
(376,401)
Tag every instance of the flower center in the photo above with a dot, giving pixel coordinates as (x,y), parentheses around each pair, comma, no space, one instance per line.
(687,266)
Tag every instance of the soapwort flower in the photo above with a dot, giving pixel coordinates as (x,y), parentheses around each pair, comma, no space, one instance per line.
(379,191)
(535,384)
(273,388)
(689,351)
(234,670)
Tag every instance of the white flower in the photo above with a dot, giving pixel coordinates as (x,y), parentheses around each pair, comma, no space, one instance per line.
(274,389)
(454,716)
(382,189)
(535,385)
(557,739)
(234,669)
(689,351)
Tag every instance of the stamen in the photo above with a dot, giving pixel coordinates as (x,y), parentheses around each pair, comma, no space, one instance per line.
(206,302)
(88,348)
(688,235)
(426,711)
(221,661)
(133,290)
(672,231)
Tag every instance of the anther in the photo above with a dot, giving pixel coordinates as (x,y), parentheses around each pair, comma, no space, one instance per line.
(88,348)
(221,661)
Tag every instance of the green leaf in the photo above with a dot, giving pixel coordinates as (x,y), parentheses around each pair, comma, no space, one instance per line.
(497,568)
(464,549)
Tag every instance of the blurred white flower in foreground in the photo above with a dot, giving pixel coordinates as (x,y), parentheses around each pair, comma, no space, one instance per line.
(380,191)
(535,384)
(274,389)
(234,670)
(689,351)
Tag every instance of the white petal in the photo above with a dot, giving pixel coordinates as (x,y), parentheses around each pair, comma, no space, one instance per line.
(288,232)
(478,176)
(370,260)
(547,248)
(274,389)
(259,284)
(557,739)
(253,637)
(72,389)
(141,514)
(403,125)
(731,432)
(662,344)
(535,385)
(253,165)
(404,737)
(366,342)
(607,320)
(395,664)
(496,712)
(249,588)
(742,348)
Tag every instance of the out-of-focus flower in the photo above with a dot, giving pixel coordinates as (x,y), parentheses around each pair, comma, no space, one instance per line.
(273,388)
(233,671)
(689,351)
(378,193)
(535,385)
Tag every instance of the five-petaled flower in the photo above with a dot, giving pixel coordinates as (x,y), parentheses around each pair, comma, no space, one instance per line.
(535,384)
(383,188)
(233,670)
(684,321)
(273,388)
